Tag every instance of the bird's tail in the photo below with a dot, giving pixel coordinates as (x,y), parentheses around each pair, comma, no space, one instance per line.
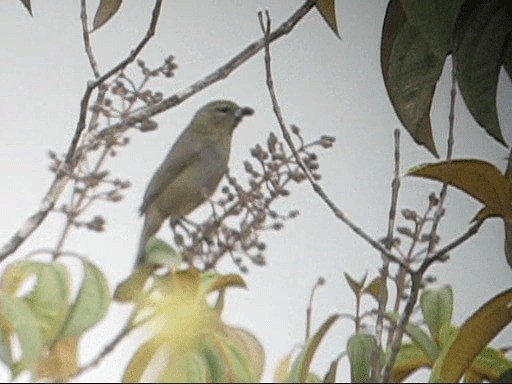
(147,231)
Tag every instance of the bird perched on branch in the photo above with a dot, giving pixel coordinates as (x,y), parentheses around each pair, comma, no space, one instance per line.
(192,169)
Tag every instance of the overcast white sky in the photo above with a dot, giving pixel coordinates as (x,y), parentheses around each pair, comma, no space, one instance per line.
(325,86)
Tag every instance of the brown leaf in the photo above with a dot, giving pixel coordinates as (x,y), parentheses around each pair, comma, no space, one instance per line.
(327,9)
(61,363)
(106,9)
(479,179)
(475,334)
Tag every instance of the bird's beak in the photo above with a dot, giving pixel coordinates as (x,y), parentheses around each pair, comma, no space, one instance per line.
(243,111)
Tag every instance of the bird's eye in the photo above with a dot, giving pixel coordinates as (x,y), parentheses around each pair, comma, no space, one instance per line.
(224,109)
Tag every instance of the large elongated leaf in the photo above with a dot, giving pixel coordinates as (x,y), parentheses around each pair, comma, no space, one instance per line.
(226,361)
(411,71)
(481,180)
(15,314)
(283,369)
(477,178)
(409,359)
(330,376)
(475,334)
(188,367)
(434,20)
(480,36)
(49,299)
(140,360)
(419,337)
(250,347)
(437,308)
(489,364)
(360,348)
(300,367)
(91,303)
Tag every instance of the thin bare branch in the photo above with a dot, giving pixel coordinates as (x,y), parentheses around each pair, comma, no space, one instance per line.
(91,86)
(449,152)
(402,323)
(36,219)
(395,186)
(125,331)
(60,181)
(316,186)
(49,200)
(320,281)
(417,276)
(440,255)
(219,74)
(87,41)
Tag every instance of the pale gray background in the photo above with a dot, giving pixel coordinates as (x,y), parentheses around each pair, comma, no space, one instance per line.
(325,86)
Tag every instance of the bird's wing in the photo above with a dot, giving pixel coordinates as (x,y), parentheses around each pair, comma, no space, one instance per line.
(177,160)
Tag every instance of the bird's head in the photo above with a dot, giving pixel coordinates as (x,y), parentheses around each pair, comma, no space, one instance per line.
(221,116)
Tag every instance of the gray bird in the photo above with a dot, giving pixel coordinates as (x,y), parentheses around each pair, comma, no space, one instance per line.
(192,169)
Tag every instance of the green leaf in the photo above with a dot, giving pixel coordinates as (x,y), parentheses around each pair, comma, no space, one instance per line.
(411,71)
(212,281)
(475,334)
(300,367)
(330,376)
(327,9)
(250,347)
(132,288)
(447,335)
(188,367)
(419,337)
(283,369)
(158,252)
(91,303)
(5,348)
(480,36)
(506,377)
(410,358)
(489,364)
(374,288)
(434,20)
(313,378)
(360,348)
(49,299)
(355,286)
(106,9)
(140,360)
(226,360)
(479,179)
(18,316)
(437,308)
(238,363)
